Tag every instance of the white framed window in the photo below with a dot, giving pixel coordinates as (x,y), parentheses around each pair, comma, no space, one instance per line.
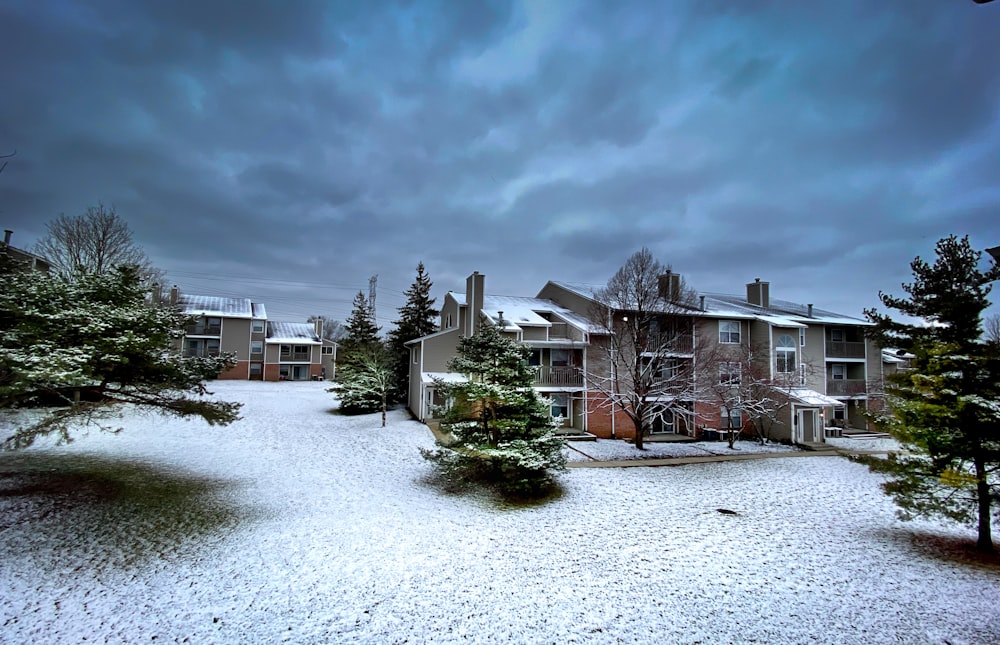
(802,337)
(447,321)
(839,371)
(255,369)
(837,335)
(560,357)
(257,326)
(730,373)
(560,406)
(729,332)
(731,418)
(328,350)
(785,351)
(256,347)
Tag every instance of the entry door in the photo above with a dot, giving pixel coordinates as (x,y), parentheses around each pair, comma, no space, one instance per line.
(300,372)
(807,425)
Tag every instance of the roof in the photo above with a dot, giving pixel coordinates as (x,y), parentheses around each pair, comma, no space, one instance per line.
(220,306)
(289,332)
(812,397)
(781,313)
(521,311)
(444,377)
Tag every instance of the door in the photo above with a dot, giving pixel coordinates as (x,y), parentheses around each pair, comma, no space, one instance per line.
(807,425)
(300,372)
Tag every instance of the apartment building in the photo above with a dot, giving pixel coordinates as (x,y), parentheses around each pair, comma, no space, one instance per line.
(19,259)
(819,360)
(264,349)
(558,339)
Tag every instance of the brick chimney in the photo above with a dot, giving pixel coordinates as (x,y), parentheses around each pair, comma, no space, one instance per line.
(318,327)
(759,293)
(174,294)
(669,286)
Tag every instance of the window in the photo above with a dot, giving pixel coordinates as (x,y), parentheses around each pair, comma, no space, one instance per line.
(668,370)
(535,357)
(328,350)
(786,354)
(837,335)
(286,349)
(256,347)
(560,406)
(283,372)
(447,321)
(560,358)
(257,326)
(839,371)
(729,331)
(731,418)
(730,373)
(201,347)
(301,349)
(255,369)
(802,337)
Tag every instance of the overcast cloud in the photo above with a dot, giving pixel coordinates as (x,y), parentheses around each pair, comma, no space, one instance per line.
(287,151)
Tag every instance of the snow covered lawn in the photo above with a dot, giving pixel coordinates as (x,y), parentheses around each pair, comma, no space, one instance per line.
(616,450)
(298,525)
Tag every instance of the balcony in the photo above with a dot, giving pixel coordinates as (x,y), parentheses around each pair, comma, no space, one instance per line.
(295,356)
(845,349)
(558,376)
(200,352)
(845,387)
(199,329)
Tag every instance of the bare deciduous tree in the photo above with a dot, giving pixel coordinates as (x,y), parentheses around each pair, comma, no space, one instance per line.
(333,329)
(93,243)
(645,312)
(991,328)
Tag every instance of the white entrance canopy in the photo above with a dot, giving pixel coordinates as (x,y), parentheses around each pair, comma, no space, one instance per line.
(806,396)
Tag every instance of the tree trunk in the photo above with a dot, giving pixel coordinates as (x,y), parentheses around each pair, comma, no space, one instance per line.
(985,542)
(383,410)
(638,434)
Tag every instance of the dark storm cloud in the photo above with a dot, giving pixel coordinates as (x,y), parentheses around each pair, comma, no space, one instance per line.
(818,146)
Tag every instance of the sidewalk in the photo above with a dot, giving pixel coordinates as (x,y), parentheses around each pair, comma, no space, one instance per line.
(684,461)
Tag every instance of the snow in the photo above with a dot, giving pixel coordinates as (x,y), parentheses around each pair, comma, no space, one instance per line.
(302,526)
(616,450)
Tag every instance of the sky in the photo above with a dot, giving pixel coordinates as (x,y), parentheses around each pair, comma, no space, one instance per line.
(287,151)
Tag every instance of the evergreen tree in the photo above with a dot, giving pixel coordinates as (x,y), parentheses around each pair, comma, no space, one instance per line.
(502,432)
(945,410)
(370,379)
(82,347)
(355,350)
(416,319)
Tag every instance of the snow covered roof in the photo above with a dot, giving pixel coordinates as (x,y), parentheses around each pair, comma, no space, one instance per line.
(446,377)
(899,356)
(289,332)
(525,311)
(781,313)
(220,306)
(812,397)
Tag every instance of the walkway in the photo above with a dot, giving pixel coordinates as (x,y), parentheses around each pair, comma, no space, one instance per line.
(683,461)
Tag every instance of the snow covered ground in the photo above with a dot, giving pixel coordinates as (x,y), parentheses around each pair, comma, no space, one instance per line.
(615,450)
(301,526)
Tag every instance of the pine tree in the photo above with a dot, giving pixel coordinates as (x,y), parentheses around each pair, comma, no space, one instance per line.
(82,347)
(945,410)
(503,433)
(416,319)
(353,364)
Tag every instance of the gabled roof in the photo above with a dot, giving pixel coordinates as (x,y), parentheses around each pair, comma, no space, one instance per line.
(523,311)
(220,306)
(289,332)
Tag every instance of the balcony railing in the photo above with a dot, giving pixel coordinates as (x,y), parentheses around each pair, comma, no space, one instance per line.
(846,349)
(845,387)
(294,356)
(199,329)
(200,352)
(558,376)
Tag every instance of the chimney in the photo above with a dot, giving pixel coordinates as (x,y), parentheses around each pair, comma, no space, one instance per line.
(759,293)
(809,310)
(318,327)
(701,303)
(473,301)
(174,294)
(669,286)
(500,322)
(6,236)
(156,294)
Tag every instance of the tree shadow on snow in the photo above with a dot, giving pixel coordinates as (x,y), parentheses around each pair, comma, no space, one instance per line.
(948,548)
(488,494)
(61,509)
